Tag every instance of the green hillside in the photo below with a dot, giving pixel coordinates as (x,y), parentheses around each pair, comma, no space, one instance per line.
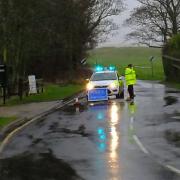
(138,56)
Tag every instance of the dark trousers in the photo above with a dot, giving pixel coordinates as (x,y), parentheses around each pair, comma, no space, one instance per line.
(131,91)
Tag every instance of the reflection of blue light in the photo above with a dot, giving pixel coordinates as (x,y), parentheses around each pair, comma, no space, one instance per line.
(102,137)
(100,131)
(102,107)
(102,147)
(112,68)
(102,134)
(99,68)
(100,116)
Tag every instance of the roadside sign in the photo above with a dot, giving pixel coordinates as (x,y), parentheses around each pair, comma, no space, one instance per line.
(84,61)
(32,84)
(152,58)
(100,94)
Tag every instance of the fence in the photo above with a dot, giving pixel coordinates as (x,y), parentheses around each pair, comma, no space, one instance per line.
(22,89)
(171,68)
(3,82)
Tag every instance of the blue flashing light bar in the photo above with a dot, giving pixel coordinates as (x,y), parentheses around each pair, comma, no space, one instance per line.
(112,68)
(101,68)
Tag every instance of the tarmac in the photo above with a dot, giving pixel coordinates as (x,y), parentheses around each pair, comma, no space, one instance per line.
(156,121)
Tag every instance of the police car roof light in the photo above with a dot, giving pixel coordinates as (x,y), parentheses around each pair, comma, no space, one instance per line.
(99,68)
(112,68)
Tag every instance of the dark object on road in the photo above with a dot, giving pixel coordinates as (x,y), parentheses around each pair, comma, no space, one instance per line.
(170,100)
(80,131)
(36,167)
(173,137)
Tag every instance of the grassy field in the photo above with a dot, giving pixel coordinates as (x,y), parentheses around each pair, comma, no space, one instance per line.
(138,56)
(51,92)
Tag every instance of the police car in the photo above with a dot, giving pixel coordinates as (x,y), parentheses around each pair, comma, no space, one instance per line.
(105,83)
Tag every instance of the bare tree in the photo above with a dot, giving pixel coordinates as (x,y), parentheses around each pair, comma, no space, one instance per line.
(155,20)
(100,11)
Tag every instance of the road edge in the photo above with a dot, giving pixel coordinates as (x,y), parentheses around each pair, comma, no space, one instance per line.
(12,129)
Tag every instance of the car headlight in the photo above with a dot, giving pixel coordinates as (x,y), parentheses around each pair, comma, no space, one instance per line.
(113,86)
(89,86)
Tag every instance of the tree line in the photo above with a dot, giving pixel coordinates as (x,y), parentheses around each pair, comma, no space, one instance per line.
(49,38)
(154,21)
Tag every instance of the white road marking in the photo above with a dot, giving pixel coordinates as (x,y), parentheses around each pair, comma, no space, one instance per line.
(136,139)
(132,123)
(140,144)
(173,169)
(176,117)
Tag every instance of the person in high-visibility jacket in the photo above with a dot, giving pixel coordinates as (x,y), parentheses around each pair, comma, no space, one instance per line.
(130,77)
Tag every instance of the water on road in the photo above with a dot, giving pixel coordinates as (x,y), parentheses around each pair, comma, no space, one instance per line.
(101,141)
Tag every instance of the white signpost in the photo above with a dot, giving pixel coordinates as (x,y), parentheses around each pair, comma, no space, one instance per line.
(32,84)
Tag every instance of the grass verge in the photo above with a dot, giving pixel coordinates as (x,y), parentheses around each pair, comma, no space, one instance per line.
(138,56)
(6,120)
(51,93)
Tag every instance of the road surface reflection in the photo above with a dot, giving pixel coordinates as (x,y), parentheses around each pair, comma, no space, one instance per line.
(114,141)
(109,141)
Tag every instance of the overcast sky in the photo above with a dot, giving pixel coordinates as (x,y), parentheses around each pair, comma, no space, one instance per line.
(119,38)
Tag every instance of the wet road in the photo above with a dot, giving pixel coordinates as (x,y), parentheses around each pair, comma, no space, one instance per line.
(103,141)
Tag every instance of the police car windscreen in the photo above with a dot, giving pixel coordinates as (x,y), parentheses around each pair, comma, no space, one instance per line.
(103,76)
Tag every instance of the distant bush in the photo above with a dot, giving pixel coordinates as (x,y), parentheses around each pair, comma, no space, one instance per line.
(172,48)
(171,64)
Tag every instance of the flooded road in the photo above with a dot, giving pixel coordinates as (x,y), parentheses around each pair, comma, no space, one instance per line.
(113,140)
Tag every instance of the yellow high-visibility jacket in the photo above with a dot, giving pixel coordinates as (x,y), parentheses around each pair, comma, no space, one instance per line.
(130,76)
(119,83)
(132,108)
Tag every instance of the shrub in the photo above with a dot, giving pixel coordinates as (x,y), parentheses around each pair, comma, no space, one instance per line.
(172,48)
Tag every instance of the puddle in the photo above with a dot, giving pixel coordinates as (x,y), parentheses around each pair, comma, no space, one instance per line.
(29,136)
(172,91)
(163,119)
(54,126)
(71,110)
(80,131)
(170,100)
(173,137)
(36,167)
(36,141)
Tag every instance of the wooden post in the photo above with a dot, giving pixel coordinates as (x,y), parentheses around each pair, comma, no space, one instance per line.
(152,67)
(4,95)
